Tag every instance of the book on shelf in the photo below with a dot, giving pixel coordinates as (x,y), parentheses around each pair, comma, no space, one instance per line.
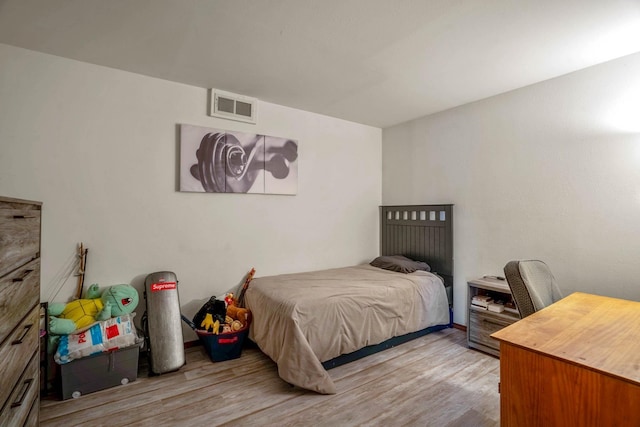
(496,308)
(510,307)
(481,300)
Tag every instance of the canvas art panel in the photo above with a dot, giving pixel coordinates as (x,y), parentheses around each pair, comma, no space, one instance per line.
(220,161)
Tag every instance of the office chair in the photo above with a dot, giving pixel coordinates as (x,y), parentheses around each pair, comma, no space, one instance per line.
(532,285)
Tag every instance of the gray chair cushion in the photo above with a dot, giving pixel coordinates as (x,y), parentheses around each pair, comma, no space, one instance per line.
(532,285)
(540,282)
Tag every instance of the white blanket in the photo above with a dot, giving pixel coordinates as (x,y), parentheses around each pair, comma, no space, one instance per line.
(301,320)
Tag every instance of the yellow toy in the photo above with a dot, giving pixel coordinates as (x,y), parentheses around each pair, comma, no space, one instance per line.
(209,324)
(81,313)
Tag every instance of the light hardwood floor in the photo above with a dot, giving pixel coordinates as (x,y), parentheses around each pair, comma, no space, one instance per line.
(431,381)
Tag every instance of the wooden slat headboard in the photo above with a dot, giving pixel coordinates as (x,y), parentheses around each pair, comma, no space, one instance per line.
(423,233)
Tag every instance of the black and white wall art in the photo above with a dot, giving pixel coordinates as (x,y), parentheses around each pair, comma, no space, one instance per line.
(220,161)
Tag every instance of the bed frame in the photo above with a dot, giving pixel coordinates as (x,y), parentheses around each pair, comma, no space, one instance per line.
(422,233)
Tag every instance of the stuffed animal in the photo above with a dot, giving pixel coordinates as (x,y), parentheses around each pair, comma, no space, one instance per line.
(115,301)
(230,299)
(211,315)
(237,313)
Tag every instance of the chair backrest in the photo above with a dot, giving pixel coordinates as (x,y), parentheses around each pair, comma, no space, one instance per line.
(532,285)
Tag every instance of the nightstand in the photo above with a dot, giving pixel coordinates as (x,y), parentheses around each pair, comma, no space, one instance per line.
(483,322)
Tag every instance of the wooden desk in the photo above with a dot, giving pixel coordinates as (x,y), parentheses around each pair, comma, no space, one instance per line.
(574,363)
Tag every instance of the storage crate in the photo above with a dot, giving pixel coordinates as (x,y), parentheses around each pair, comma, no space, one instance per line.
(223,347)
(99,371)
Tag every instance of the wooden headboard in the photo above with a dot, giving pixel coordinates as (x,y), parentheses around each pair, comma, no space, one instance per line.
(423,233)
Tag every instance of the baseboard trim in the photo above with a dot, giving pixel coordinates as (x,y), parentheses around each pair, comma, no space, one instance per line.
(461,327)
(189,344)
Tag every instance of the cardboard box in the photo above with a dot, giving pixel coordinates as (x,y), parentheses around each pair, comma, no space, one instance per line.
(99,371)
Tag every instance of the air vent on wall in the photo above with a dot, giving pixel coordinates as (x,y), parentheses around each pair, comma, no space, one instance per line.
(228,105)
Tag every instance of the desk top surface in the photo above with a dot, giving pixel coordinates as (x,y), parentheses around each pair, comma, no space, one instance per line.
(597,332)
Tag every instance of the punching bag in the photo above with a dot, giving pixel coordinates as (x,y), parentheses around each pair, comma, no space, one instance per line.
(163,326)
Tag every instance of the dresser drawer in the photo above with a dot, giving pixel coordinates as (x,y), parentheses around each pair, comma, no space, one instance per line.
(19,237)
(19,292)
(33,419)
(23,399)
(482,325)
(17,350)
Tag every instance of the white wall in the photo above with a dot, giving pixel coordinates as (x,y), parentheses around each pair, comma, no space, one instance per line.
(100,148)
(550,171)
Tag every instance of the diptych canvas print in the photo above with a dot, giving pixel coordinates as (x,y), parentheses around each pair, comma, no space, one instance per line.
(220,161)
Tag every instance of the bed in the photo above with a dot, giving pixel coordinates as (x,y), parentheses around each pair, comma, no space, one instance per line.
(308,322)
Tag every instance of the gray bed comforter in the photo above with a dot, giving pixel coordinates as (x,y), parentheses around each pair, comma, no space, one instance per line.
(303,319)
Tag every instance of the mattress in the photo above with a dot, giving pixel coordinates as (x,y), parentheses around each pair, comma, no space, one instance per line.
(301,320)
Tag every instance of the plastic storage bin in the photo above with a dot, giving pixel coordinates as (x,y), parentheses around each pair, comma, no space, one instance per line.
(221,347)
(99,371)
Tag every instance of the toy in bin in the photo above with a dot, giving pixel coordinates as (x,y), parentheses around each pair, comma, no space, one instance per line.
(221,328)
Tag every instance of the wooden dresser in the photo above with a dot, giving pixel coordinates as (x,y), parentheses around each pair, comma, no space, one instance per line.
(574,363)
(19,312)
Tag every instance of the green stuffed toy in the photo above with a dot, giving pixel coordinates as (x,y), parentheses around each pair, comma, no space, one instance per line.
(81,313)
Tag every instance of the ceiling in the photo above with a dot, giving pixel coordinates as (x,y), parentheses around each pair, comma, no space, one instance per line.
(376,62)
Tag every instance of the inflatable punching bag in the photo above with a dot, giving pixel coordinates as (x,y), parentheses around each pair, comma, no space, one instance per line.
(162,323)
